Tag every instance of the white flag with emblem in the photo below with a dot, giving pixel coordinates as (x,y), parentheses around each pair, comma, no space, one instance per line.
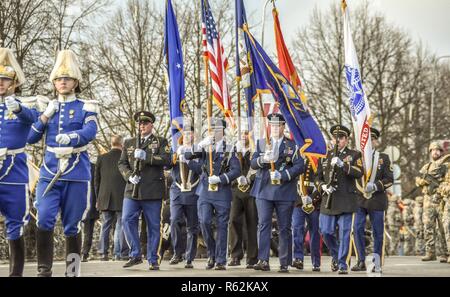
(359,106)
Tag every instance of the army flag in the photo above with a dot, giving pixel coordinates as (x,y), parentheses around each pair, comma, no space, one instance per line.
(359,106)
(268,77)
(175,73)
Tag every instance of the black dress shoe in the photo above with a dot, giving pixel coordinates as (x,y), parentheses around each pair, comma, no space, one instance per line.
(360,266)
(298,264)
(175,260)
(234,262)
(342,271)
(379,270)
(334,265)
(133,262)
(262,265)
(189,265)
(85,258)
(283,269)
(211,263)
(153,267)
(316,269)
(220,267)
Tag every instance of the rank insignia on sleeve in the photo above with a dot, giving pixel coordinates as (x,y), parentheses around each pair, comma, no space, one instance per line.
(359,162)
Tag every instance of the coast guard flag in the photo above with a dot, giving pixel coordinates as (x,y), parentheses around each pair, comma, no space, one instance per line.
(359,106)
(268,77)
(175,72)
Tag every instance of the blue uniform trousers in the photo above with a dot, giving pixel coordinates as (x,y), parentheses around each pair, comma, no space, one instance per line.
(179,213)
(299,218)
(284,211)
(339,251)
(71,197)
(14,205)
(207,209)
(130,220)
(377,220)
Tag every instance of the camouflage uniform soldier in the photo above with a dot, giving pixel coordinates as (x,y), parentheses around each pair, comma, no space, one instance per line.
(432,175)
(444,190)
(393,224)
(408,222)
(418,226)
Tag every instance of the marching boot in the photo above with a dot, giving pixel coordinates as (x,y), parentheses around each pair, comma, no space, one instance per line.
(44,244)
(360,266)
(16,257)
(429,257)
(443,259)
(73,258)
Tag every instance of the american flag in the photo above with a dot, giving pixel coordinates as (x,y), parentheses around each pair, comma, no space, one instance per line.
(218,63)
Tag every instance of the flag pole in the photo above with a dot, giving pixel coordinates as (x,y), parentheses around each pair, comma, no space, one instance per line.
(263,114)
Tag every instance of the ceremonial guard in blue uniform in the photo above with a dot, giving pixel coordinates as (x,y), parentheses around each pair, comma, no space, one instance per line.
(307,210)
(214,191)
(183,201)
(16,117)
(142,165)
(68,125)
(374,203)
(336,178)
(276,190)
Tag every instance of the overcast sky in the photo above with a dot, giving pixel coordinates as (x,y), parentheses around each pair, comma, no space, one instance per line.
(427,20)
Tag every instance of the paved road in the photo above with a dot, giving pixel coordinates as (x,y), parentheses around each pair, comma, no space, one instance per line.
(394,267)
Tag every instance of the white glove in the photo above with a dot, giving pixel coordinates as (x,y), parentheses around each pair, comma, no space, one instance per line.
(328,189)
(306,200)
(371,187)
(140,154)
(242,181)
(337,161)
(239,147)
(181,150)
(274,175)
(63,139)
(207,141)
(268,157)
(52,108)
(12,104)
(213,180)
(134,179)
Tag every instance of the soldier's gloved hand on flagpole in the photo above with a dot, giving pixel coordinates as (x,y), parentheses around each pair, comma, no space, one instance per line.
(268,157)
(328,189)
(134,179)
(306,200)
(239,147)
(207,141)
(275,175)
(52,108)
(180,153)
(242,181)
(337,161)
(63,139)
(371,187)
(140,154)
(12,104)
(213,180)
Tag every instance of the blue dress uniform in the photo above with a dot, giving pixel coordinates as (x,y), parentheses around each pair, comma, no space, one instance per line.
(183,207)
(226,166)
(300,218)
(343,201)
(66,165)
(16,118)
(375,206)
(280,198)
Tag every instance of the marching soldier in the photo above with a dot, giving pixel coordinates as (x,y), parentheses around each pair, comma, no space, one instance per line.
(214,191)
(183,202)
(307,210)
(142,166)
(418,226)
(444,189)
(276,190)
(432,175)
(336,178)
(69,124)
(393,223)
(374,205)
(16,118)
(243,207)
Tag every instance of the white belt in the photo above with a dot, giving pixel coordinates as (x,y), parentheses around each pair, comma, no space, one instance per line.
(192,185)
(15,152)
(76,150)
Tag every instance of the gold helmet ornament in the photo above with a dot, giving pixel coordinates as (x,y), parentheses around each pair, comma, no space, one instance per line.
(66,66)
(10,68)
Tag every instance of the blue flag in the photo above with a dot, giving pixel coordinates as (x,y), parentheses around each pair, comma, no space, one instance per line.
(267,77)
(175,70)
